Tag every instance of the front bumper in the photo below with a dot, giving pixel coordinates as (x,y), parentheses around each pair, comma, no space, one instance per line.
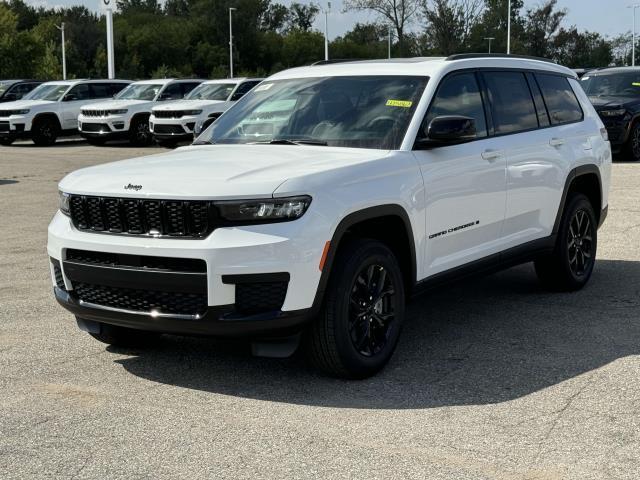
(110,127)
(290,248)
(14,127)
(618,130)
(173,128)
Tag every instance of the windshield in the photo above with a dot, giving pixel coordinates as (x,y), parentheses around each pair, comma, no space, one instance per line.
(47,91)
(612,85)
(4,86)
(211,91)
(140,91)
(355,111)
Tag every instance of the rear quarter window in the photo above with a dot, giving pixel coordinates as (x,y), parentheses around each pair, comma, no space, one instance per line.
(560,99)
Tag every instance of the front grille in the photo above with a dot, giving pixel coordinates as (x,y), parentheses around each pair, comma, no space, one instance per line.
(168,129)
(171,218)
(168,113)
(260,296)
(190,265)
(142,300)
(95,113)
(6,113)
(4,126)
(95,127)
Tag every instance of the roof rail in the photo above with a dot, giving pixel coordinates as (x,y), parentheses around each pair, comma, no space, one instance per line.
(335,60)
(465,56)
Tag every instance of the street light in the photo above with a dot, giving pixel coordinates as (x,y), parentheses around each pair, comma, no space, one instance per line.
(326,31)
(509,29)
(389,41)
(490,39)
(231,9)
(111,68)
(64,59)
(633,43)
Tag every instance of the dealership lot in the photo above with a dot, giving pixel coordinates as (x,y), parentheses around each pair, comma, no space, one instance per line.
(493,378)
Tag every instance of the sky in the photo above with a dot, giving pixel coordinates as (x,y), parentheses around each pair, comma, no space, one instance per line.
(607,17)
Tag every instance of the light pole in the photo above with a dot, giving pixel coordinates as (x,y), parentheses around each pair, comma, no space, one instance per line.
(490,39)
(231,9)
(110,57)
(509,29)
(64,59)
(633,42)
(326,31)
(389,41)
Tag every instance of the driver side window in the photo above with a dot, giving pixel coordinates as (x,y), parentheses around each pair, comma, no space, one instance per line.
(79,92)
(458,94)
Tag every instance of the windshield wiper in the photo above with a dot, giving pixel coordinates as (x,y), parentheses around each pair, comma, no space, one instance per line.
(285,141)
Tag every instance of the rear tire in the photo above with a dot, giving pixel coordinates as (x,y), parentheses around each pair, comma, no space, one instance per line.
(632,148)
(124,337)
(571,264)
(361,319)
(44,132)
(6,141)
(139,134)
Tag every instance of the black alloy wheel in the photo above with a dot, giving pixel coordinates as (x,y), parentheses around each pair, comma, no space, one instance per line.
(580,243)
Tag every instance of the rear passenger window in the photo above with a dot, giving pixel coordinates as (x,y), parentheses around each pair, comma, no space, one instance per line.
(560,99)
(511,103)
(459,95)
(187,87)
(99,90)
(115,88)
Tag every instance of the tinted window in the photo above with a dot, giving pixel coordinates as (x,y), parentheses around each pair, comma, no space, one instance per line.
(187,87)
(459,95)
(560,99)
(511,103)
(115,88)
(79,92)
(245,87)
(543,116)
(100,90)
(172,92)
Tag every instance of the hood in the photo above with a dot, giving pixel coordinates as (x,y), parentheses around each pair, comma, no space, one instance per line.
(186,105)
(116,104)
(212,171)
(23,104)
(611,103)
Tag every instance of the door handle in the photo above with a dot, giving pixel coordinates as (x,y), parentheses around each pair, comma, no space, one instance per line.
(556,142)
(491,154)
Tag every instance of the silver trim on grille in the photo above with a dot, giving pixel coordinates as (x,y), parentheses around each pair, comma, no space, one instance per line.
(152,314)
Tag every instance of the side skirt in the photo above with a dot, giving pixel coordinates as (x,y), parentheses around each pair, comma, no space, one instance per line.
(524,253)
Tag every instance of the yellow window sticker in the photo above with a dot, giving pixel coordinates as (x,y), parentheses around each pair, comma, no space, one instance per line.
(636,84)
(399,103)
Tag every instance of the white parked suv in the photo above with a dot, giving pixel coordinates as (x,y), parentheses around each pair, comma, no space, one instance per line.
(127,115)
(51,110)
(179,121)
(312,209)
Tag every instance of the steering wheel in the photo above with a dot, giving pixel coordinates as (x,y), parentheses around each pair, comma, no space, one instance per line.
(380,119)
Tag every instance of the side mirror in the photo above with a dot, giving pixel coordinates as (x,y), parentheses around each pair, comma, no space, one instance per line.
(70,97)
(448,130)
(10,97)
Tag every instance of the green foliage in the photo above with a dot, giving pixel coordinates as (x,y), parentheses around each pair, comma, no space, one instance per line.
(191,37)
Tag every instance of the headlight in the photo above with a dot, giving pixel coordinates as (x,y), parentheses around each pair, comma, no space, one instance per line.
(192,112)
(263,211)
(64,203)
(19,112)
(118,112)
(613,113)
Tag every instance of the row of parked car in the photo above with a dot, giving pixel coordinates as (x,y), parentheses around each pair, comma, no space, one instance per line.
(167,110)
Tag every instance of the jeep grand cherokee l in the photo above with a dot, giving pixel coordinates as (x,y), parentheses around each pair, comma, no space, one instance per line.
(615,94)
(320,201)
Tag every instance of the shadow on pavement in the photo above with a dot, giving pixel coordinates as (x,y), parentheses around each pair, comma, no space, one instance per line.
(480,341)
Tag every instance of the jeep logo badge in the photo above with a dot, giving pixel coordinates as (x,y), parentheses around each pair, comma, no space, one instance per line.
(133,187)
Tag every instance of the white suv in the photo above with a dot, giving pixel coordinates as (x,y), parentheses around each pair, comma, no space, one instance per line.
(51,110)
(179,121)
(127,115)
(317,205)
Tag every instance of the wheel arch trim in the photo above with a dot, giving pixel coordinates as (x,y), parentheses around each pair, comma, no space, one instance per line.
(582,170)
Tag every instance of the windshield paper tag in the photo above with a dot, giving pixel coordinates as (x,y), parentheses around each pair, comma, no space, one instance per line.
(399,103)
(262,88)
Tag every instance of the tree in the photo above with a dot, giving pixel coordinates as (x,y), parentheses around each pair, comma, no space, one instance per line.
(581,49)
(301,16)
(493,23)
(540,27)
(399,13)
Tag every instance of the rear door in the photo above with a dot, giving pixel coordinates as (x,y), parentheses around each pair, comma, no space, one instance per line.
(77,96)
(464,184)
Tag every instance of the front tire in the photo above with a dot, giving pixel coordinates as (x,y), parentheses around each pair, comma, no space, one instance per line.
(139,134)
(570,266)
(44,132)
(360,322)
(632,149)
